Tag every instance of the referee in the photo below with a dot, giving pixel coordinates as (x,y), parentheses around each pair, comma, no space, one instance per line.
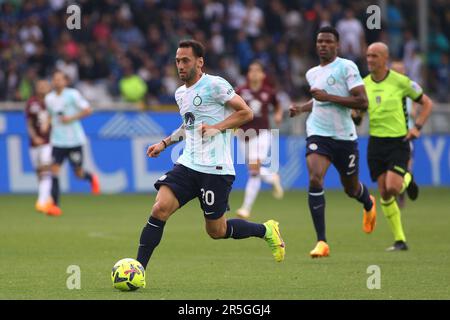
(389,150)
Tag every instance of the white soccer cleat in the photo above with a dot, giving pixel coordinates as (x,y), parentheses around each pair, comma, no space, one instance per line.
(243,213)
(278,191)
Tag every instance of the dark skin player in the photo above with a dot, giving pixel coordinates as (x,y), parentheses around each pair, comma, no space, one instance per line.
(327,49)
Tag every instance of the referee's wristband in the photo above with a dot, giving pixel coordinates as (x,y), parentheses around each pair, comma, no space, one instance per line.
(418,126)
(165,144)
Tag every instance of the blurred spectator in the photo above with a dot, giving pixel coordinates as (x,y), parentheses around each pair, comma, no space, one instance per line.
(254,19)
(26,84)
(132,87)
(394,28)
(281,33)
(236,17)
(69,67)
(443,73)
(352,38)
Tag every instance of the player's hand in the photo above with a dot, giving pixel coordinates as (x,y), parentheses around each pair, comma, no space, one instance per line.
(66,119)
(278,118)
(413,133)
(294,110)
(209,131)
(38,141)
(319,95)
(154,150)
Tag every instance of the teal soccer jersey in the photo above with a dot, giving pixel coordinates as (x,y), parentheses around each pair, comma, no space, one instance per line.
(204,102)
(329,119)
(68,103)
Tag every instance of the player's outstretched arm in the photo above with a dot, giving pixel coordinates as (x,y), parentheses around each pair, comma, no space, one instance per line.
(421,119)
(178,135)
(242,114)
(357,100)
(295,110)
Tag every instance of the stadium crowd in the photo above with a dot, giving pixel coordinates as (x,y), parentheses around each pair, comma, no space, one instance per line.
(124,49)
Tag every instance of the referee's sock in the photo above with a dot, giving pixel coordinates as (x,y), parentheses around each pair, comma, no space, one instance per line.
(392,213)
(406,181)
(241,229)
(150,237)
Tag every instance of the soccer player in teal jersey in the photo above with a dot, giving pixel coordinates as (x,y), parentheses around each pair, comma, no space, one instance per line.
(388,151)
(209,108)
(337,88)
(66,106)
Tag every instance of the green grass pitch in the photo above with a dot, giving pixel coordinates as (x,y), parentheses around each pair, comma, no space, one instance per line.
(95,232)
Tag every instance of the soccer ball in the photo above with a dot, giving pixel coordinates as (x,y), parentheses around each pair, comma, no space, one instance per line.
(128,275)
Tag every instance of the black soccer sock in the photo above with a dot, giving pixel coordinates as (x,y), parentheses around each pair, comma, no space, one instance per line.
(364,197)
(316,201)
(241,229)
(150,237)
(87,176)
(55,190)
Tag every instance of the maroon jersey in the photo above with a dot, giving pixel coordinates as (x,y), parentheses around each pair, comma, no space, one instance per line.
(36,113)
(260,102)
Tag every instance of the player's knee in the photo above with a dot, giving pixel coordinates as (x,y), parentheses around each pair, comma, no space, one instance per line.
(216,232)
(385,195)
(55,170)
(315,181)
(393,190)
(79,172)
(160,211)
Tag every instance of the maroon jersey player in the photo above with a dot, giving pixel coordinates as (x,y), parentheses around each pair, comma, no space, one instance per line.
(255,136)
(38,128)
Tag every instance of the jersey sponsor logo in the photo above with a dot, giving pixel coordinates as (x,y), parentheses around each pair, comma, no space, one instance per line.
(313,147)
(331,80)
(189,120)
(230,91)
(197,100)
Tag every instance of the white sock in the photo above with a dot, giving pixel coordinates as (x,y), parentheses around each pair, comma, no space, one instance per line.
(266,175)
(44,187)
(251,191)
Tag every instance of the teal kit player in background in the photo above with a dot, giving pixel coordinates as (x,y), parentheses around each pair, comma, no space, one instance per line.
(205,169)
(337,88)
(66,106)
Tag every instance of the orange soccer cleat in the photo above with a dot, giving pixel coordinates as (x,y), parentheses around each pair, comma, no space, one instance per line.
(54,211)
(321,250)
(370,218)
(95,185)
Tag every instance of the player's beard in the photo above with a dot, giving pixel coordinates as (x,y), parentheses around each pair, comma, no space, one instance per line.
(189,75)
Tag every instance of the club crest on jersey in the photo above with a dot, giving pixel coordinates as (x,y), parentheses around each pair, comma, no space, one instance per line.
(331,80)
(197,101)
(189,120)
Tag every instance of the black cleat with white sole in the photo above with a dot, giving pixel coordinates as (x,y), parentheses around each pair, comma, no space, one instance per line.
(398,246)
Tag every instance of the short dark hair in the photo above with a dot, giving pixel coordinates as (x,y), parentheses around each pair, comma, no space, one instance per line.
(197,47)
(259,63)
(329,29)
